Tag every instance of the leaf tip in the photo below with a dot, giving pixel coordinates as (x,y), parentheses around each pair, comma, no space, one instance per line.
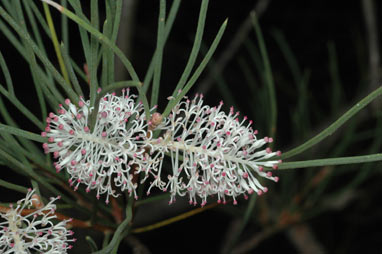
(53,4)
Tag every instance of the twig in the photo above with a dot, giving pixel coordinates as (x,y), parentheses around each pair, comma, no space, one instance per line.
(206,84)
(173,219)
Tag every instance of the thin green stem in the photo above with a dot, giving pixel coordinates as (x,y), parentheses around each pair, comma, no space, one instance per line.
(169,22)
(122,228)
(98,35)
(56,44)
(64,27)
(13,186)
(198,71)
(22,108)
(103,39)
(7,75)
(26,169)
(195,47)
(334,126)
(21,133)
(159,54)
(23,34)
(267,75)
(93,64)
(91,243)
(72,75)
(332,161)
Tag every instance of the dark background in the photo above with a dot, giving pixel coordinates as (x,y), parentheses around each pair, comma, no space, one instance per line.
(308,26)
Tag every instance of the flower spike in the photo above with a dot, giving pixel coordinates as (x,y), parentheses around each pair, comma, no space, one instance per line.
(102,160)
(220,155)
(24,234)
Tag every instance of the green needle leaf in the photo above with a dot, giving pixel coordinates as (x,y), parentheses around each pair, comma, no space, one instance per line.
(22,133)
(198,71)
(334,126)
(331,161)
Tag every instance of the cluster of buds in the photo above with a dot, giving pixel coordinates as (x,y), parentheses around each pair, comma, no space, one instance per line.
(24,230)
(212,153)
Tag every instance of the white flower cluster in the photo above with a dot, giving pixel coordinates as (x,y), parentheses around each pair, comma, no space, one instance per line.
(33,232)
(101,159)
(212,153)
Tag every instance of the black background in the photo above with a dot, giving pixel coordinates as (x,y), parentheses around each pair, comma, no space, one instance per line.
(308,26)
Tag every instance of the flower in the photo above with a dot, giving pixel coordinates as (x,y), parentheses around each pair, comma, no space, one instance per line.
(101,159)
(212,153)
(35,231)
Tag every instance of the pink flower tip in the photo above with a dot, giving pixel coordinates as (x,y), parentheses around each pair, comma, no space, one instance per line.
(278,153)
(276,178)
(67,101)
